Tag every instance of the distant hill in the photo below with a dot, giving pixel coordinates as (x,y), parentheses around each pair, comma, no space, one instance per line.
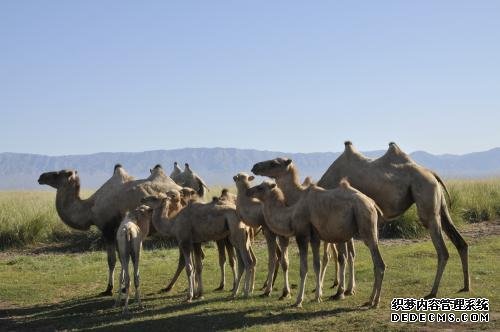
(216,165)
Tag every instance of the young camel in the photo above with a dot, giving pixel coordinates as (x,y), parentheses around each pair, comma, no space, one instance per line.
(287,179)
(199,222)
(178,201)
(250,210)
(131,233)
(337,215)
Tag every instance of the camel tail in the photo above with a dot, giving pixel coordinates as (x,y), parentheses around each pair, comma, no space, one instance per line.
(443,186)
(450,228)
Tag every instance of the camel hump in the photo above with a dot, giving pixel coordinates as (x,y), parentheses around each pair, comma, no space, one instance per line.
(396,155)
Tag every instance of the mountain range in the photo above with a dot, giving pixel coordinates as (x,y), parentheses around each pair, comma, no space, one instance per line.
(20,171)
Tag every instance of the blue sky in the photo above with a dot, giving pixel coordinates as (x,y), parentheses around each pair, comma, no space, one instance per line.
(90,76)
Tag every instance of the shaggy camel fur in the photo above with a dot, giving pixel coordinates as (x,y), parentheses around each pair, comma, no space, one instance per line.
(106,207)
(287,178)
(250,210)
(395,182)
(199,222)
(129,237)
(337,215)
(190,179)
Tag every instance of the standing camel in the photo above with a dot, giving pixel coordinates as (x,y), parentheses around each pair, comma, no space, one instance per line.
(337,215)
(201,222)
(394,181)
(106,207)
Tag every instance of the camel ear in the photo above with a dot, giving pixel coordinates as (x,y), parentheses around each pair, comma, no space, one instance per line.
(150,170)
(251,178)
(235,178)
(272,185)
(288,162)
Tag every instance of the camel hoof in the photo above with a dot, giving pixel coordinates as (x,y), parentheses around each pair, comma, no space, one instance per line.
(465,289)
(284,296)
(106,293)
(165,290)
(188,300)
(350,292)
(221,287)
(429,296)
(319,300)
(366,306)
(265,294)
(336,297)
(297,305)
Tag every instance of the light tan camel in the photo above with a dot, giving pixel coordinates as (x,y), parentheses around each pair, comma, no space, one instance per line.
(105,208)
(129,237)
(250,210)
(337,215)
(180,200)
(190,179)
(287,179)
(199,222)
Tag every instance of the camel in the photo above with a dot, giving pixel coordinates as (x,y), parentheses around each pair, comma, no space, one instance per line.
(336,215)
(251,212)
(190,179)
(201,222)
(107,206)
(131,233)
(287,179)
(394,181)
(176,171)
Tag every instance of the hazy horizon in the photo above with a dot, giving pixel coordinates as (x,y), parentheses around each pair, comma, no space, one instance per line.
(84,77)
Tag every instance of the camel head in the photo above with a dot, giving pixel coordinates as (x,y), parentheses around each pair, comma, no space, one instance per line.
(143,211)
(174,196)
(273,168)
(156,170)
(188,194)
(262,191)
(155,201)
(187,169)
(60,179)
(243,180)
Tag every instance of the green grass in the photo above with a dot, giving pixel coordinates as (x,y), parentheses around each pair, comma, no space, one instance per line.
(55,291)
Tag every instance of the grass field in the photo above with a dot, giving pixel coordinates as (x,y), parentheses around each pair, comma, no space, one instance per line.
(57,290)
(50,275)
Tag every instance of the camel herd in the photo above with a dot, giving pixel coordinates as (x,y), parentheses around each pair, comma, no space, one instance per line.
(351,198)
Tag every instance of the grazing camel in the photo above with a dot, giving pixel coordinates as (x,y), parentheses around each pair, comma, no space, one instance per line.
(131,233)
(201,222)
(250,210)
(287,179)
(106,207)
(336,215)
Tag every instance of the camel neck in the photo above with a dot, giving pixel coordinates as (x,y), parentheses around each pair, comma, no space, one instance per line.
(276,214)
(162,221)
(289,184)
(73,211)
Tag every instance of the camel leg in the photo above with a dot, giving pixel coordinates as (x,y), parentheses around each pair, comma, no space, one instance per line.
(241,267)
(342,258)
(272,260)
(351,254)
(180,267)
(378,271)
(126,286)
(458,241)
(315,247)
(442,252)
(111,253)
(186,252)
(284,242)
(326,259)
(198,268)
(335,256)
(135,261)
(121,282)
(222,264)
(303,244)
(232,260)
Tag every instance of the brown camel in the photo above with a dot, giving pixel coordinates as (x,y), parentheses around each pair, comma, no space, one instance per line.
(106,207)
(250,210)
(287,179)
(201,222)
(395,182)
(336,215)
